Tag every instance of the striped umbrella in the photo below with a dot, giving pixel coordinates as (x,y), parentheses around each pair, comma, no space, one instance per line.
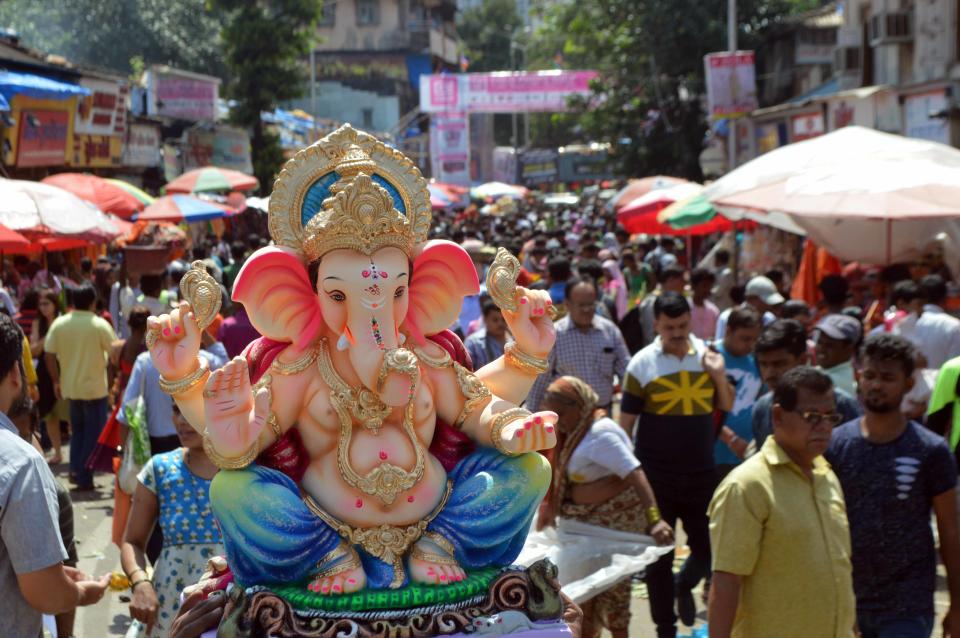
(211,179)
(141,196)
(183,208)
(105,195)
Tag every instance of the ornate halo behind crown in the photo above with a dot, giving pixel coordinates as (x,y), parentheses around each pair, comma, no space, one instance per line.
(349,190)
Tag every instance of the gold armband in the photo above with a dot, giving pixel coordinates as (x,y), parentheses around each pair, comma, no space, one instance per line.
(181,385)
(228,463)
(653,516)
(499,422)
(474,392)
(524,362)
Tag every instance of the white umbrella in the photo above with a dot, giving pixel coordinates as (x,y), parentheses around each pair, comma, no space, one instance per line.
(497,190)
(34,206)
(863,195)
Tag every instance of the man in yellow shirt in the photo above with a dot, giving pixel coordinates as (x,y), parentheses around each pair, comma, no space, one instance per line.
(778,527)
(76,347)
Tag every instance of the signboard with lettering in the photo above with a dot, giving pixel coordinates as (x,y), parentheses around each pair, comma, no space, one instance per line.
(731,84)
(97,151)
(538,166)
(226,147)
(504,91)
(505,164)
(43,137)
(182,96)
(916,116)
(806,126)
(450,147)
(104,111)
(143,145)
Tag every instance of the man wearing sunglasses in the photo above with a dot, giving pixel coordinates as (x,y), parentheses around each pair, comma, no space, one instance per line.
(778,527)
(893,471)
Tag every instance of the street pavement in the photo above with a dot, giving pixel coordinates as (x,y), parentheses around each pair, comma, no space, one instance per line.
(93,512)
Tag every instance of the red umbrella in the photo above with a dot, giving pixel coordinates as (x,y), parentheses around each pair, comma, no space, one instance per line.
(212,178)
(639,187)
(103,194)
(12,240)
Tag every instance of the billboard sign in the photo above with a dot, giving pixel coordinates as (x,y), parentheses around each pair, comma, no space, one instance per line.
(143,145)
(503,92)
(43,137)
(104,111)
(181,95)
(450,147)
(731,84)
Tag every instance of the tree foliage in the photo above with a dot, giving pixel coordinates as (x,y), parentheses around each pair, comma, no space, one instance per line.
(108,34)
(649,98)
(265,44)
(486,31)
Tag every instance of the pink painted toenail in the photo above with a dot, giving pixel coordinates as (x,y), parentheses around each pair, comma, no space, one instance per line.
(325,588)
(528,425)
(336,588)
(410,499)
(519,433)
(383,455)
(549,428)
(352,581)
(523,300)
(176,329)
(359,503)
(538,420)
(443,576)
(166,332)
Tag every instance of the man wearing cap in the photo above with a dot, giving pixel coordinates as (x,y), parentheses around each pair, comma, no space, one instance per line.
(837,338)
(762,294)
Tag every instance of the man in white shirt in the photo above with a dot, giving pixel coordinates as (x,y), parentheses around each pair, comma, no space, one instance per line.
(936,333)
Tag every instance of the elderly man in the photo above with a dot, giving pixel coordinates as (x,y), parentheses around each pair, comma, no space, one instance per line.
(778,527)
(588,347)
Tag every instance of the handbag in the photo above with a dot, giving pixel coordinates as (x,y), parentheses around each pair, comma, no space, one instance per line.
(136,449)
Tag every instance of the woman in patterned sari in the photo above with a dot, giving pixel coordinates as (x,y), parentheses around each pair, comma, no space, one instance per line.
(598,480)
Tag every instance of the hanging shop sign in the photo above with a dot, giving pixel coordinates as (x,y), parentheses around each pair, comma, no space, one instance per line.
(43,137)
(143,145)
(731,84)
(450,147)
(503,92)
(97,151)
(104,111)
(181,95)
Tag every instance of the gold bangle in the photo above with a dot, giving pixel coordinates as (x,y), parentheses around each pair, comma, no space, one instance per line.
(501,420)
(133,585)
(183,384)
(653,516)
(130,575)
(230,463)
(524,362)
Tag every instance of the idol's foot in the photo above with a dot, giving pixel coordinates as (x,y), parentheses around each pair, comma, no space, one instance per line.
(340,573)
(432,562)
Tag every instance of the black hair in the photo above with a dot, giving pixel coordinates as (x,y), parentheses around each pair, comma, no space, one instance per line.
(151,285)
(576,281)
(834,289)
(743,317)
(137,319)
(783,334)
(200,251)
(699,275)
(670,272)
(794,308)
(86,265)
(776,276)
(83,297)
(31,300)
(895,272)
(671,304)
(807,378)
(721,257)
(559,269)
(906,291)
(590,268)
(738,293)
(237,250)
(11,345)
(934,289)
(489,306)
(890,347)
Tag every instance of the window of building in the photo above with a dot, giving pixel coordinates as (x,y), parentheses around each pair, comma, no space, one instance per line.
(367,115)
(368,12)
(328,14)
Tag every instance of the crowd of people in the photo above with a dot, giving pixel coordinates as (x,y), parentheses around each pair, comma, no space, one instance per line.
(804,448)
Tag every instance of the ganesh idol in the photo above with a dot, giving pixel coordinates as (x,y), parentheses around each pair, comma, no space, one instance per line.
(358,450)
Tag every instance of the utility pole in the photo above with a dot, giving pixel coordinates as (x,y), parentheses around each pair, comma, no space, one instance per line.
(513,65)
(313,90)
(732,48)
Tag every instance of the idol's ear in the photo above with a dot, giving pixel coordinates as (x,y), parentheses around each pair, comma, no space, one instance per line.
(275,290)
(443,274)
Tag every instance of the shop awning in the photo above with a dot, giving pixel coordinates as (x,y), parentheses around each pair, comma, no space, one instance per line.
(36,86)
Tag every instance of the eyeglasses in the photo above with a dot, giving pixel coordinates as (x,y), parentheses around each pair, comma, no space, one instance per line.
(814,418)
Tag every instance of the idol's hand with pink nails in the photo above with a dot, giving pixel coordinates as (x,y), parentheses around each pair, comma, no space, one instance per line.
(174,342)
(234,416)
(531,325)
(535,432)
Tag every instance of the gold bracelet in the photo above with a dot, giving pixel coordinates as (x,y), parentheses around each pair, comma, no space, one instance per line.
(653,516)
(501,420)
(133,585)
(181,385)
(524,362)
(230,463)
(130,575)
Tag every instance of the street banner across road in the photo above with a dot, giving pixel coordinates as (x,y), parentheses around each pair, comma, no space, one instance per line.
(731,84)
(503,92)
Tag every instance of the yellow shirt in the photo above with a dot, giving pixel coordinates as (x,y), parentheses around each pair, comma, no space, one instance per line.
(81,341)
(788,537)
(28,370)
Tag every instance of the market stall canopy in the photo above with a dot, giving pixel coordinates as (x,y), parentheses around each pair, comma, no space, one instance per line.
(12,240)
(639,187)
(439,198)
(102,193)
(36,86)
(32,206)
(145,198)
(645,213)
(183,208)
(863,195)
(210,179)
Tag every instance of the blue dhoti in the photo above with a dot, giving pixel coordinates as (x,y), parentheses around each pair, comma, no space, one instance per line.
(272,536)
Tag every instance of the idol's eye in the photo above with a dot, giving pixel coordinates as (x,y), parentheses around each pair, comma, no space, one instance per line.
(399,292)
(337,296)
